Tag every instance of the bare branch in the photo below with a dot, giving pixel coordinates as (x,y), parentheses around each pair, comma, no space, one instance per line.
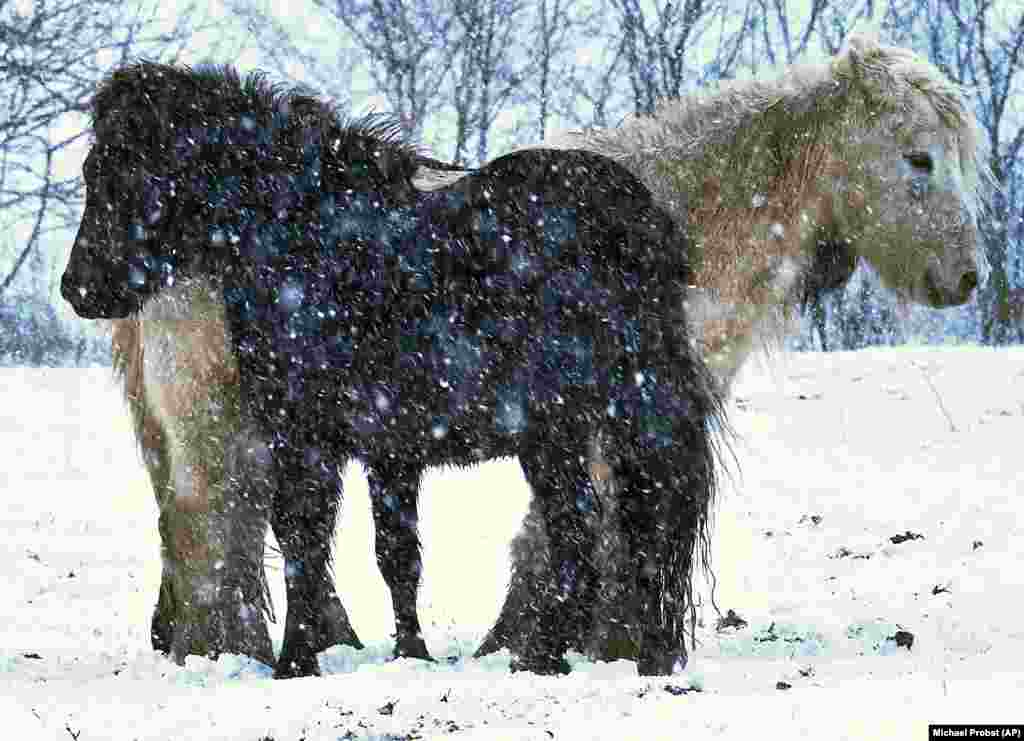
(410,46)
(51,57)
(40,214)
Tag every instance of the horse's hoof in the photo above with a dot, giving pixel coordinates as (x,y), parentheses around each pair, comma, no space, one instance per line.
(489,646)
(412,647)
(224,629)
(162,633)
(617,643)
(499,637)
(337,630)
(546,665)
(662,665)
(296,666)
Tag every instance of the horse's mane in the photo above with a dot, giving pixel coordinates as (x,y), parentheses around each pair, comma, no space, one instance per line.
(739,115)
(219,91)
(285,116)
(889,73)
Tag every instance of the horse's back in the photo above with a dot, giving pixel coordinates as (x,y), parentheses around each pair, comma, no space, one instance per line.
(566,210)
(524,283)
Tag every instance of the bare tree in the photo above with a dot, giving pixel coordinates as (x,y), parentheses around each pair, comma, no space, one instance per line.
(1000,72)
(835,22)
(52,53)
(489,75)
(558,26)
(294,51)
(411,46)
(663,44)
(981,45)
(596,79)
(553,25)
(783,34)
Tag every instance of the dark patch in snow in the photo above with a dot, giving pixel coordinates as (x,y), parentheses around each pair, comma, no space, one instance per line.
(903,638)
(674,689)
(731,620)
(897,539)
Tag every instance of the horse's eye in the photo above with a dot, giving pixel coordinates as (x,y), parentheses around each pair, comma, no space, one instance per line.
(920,161)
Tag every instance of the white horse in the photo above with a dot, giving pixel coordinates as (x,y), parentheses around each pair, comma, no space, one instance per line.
(781,186)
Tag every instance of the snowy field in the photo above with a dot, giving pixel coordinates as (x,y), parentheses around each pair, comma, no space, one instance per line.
(836,455)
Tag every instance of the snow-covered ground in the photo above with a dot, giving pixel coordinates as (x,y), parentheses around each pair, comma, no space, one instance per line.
(837,454)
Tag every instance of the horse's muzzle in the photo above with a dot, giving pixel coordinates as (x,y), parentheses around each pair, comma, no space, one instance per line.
(941,294)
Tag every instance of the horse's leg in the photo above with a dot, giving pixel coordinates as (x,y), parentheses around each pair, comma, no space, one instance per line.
(664,466)
(126,349)
(611,637)
(176,611)
(238,523)
(394,490)
(819,316)
(555,467)
(212,526)
(615,631)
(304,514)
(530,567)
(158,464)
(212,598)
(661,560)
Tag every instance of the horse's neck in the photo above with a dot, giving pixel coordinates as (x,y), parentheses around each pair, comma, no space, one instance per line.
(750,228)
(729,330)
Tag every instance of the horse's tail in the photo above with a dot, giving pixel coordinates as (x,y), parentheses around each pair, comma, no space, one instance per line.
(688,521)
(668,440)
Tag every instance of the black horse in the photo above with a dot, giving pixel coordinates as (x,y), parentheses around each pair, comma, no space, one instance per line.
(529,309)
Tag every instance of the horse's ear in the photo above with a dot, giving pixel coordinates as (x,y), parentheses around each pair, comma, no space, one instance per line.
(864,41)
(860,47)
(854,61)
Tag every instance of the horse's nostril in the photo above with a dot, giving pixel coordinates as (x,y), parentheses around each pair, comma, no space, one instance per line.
(968,283)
